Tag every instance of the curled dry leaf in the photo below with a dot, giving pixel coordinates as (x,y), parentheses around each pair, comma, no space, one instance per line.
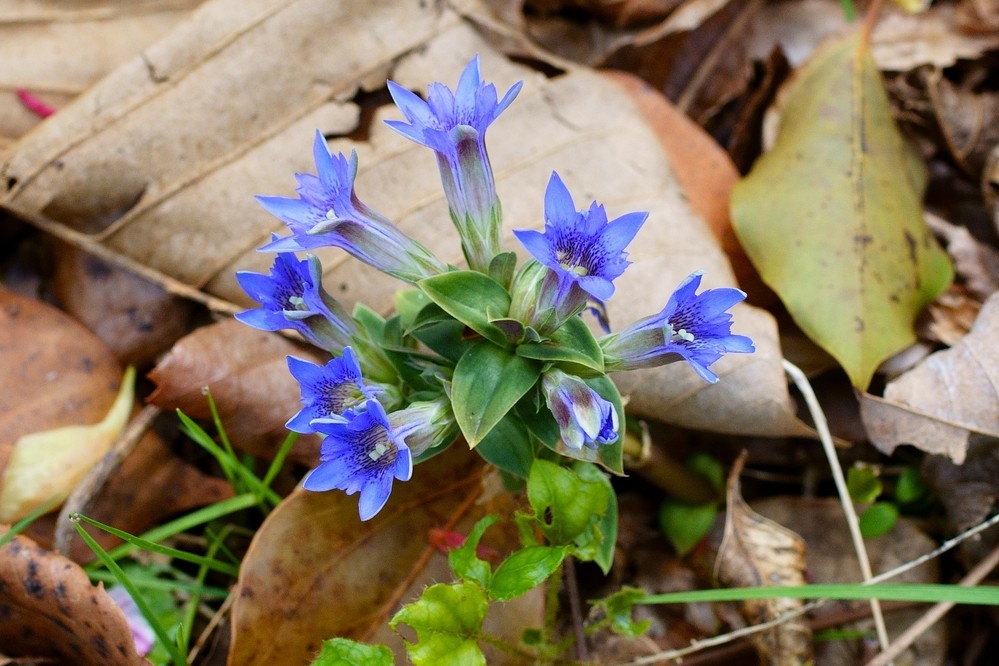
(757,552)
(189,214)
(939,403)
(246,372)
(315,571)
(51,610)
(49,49)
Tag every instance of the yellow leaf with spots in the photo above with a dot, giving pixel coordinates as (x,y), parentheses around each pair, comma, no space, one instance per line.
(832,216)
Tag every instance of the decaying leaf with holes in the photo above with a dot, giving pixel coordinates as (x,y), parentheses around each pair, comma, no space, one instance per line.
(757,552)
(51,610)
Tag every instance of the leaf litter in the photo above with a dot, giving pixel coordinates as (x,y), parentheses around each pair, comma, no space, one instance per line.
(187,218)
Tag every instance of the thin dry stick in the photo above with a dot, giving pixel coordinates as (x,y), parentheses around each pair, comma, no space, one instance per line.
(822,427)
(697,646)
(933,615)
(80,500)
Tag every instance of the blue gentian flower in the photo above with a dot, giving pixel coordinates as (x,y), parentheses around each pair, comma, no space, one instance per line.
(454,126)
(329,214)
(362,455)
(333,391)
(693,327)
(292,297)
(582,249)
(584,418)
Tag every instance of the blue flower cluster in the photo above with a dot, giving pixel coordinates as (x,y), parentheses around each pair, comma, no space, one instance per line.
(384,401)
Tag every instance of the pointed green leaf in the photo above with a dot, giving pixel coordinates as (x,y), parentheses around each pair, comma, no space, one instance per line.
(686,524)
(572,346)
(832,219)
(488,381)
(463,560)
(566,505)
(472,298)
(447,620)
(523,570)
(604,555)
(509,446)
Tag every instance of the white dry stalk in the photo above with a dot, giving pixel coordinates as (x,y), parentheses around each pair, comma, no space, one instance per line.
(697,646)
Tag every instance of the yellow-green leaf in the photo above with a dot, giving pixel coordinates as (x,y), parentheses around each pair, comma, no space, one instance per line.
(832,217)
(50,463)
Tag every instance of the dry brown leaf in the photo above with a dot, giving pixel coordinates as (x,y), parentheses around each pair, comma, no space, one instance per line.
(832,559)
(968,121)
(55,372)
(758,552)
(939,403)
(56,50)
(50,609)
(247,373)
(137,320)
(190,213)
(314,571)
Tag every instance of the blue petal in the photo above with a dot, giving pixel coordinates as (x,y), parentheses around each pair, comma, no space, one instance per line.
(403,464)
(620,232)
(290,211)
(597,286)
(305,372)
(412,106)
(327,476)
(265,320)
(510,95)
(374,494)
(535,243)
(558,202)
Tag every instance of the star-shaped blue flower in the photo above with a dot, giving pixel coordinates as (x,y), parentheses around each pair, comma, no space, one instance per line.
(292,297)
(327,213)
(584,418)
(363,454)
(335,391)
(584,250)
(694,327)
(454,126)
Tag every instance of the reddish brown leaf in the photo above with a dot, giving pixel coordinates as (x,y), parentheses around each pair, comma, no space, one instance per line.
(247,373)
(50,609)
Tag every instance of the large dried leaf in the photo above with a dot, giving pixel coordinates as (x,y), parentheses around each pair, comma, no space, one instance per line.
(246,372)
(50,609)
(228,104)
(756,552)
(832,218)
(315,571)
(938,404)
(56,50)
(55,373)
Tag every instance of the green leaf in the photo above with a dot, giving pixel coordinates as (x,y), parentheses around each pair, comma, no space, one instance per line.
(509,446)
(709,467)
(409,303)
(686,524)
(863,484)
(909,487)
(372,322)
(566,506)
(523,570)
(465,563)
(604,555)
(878,520)
(572,346)
(345,652)
(617,610)
(472,298)
(487,382)
(832,216)
(447,620)
(502,267)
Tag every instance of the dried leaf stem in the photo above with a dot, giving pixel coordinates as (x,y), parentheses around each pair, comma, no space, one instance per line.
(822,428)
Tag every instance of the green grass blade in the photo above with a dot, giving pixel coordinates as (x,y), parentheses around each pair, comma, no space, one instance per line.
(927,593)
(155,583)
(158,629)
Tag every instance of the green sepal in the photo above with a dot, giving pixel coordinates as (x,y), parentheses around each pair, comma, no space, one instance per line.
(487,383)
(463,560)
(566,506)
(523,570)
(472,298)
(502,267)
(447,619)
(572,346)
(345,652)
(509,446)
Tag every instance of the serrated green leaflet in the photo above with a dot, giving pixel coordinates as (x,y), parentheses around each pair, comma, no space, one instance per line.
(345,652)
(566,505)
(831,216)
(523,570)
(447,620)
(472,298)
(487,383)
(572,346)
